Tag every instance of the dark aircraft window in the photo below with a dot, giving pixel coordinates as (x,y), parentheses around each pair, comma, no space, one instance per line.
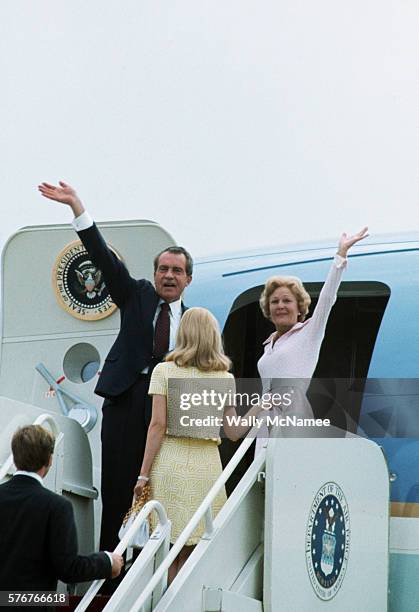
(346,351)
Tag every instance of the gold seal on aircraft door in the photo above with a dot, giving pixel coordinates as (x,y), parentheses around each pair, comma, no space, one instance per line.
(79,285)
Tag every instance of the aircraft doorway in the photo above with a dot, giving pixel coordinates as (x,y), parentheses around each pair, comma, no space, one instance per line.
(346,352)
(350,333)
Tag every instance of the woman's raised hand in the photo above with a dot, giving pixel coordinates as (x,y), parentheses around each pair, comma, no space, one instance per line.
(64,194)
(346,241)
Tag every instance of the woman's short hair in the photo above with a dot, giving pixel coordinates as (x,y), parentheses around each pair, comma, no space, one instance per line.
(294,284)
(32,447)
(198,342)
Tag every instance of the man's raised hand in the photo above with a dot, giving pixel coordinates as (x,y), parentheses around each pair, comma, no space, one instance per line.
(64,194)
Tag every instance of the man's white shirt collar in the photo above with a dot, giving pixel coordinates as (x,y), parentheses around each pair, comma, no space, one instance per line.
(175,307)
(31,474)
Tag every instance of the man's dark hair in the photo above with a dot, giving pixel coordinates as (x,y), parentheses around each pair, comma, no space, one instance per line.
(176,250)
(32,447)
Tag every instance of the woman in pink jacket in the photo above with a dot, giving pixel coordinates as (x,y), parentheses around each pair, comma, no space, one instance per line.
(292,350)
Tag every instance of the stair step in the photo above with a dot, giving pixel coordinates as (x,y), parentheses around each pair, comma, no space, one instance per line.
(97,604)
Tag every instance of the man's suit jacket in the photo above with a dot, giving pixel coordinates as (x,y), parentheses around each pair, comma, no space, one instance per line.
(38,540)
(137,300)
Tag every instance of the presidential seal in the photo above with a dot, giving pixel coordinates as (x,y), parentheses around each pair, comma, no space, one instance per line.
(79,285)
(327,540)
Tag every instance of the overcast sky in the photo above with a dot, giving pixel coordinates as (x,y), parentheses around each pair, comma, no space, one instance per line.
(234,123)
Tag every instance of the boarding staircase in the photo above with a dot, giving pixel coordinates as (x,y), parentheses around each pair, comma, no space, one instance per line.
(144,587)
(255,555)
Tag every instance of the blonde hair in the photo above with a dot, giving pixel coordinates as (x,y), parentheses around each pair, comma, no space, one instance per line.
(296,287)
(198,342)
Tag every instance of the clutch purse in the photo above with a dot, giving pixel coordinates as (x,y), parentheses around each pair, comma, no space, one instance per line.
(142,535)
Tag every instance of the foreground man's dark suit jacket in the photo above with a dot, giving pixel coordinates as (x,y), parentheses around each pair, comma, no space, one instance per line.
(38,540)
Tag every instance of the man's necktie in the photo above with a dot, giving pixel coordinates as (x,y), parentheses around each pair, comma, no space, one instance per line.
(162,332)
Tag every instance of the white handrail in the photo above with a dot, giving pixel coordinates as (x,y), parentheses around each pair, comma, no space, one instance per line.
(123,545)
(42,418)
(197,517)
(50,420)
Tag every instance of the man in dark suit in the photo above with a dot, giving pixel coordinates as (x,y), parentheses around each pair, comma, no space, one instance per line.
(38,539)
(150,316)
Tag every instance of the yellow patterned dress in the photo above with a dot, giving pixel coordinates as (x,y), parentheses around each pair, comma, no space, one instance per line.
(184,469)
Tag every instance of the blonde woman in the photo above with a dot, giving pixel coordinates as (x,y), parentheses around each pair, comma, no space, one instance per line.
(182,463)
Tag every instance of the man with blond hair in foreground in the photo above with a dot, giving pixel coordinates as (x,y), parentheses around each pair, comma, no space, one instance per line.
(38,537)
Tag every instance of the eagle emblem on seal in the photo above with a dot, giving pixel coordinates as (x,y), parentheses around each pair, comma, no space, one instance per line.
(79,285)
(90,279)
